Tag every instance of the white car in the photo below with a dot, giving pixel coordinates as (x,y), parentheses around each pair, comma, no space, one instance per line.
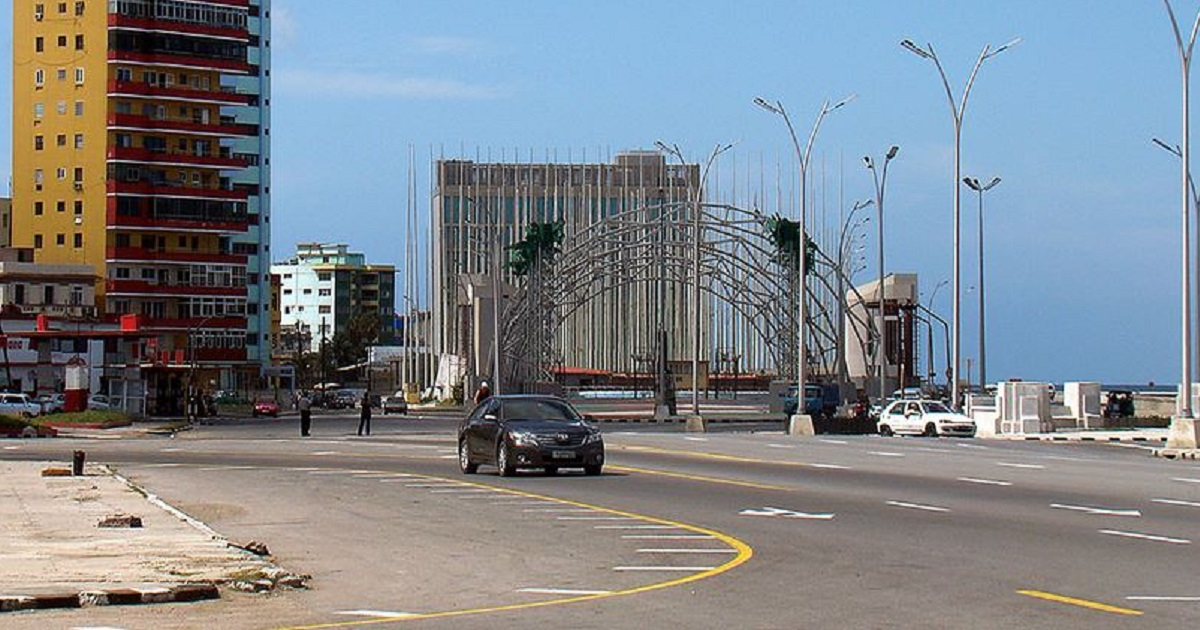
(924,417)
(19,405)
(99,401)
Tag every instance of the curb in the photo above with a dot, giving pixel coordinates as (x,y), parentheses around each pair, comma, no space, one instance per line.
(1082,438)
(1174,453)
(111,597)
(683,420)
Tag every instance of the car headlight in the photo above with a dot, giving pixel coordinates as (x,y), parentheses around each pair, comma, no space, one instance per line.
(522,438)
(592,438)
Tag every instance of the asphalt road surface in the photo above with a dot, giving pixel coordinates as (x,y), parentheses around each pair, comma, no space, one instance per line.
(730,530)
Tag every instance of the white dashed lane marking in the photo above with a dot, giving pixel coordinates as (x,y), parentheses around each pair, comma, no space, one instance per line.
(560,510)
(782,513)
(1024,466)
(687,550)
(917,506)
(1186,480)
(887,454)
(780,446)
(833,441)
(669,569)
(666,537)
(1149,537)
(1177,502)
(596,518)
(1097,511)
(560,591)
(830,466)
(1163,598)
(986,482)
(636,527)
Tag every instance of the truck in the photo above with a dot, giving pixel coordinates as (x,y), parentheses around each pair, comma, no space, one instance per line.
(820,400)
(394,404)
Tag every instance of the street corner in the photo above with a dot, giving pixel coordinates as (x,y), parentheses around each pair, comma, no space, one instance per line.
(110,597)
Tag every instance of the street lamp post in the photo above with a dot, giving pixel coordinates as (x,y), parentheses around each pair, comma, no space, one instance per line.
(1183,427)
(974,184)
(696,215)
(957,111)
(844,239)
(929,309)
(801,416)
(880,186)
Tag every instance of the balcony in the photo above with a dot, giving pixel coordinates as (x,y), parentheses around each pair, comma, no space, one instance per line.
(229,66)
(137,253)
(225,96)
(142,288)
(198,323)
(218,354)
(180,28)
(175,158)
(172,189)
(145,123)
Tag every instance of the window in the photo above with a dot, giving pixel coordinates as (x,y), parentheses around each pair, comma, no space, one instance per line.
(79,7)
(37,241)
(121,240)
(122,273)
(39,44)
(79,174)
(60,206)
(78,76)
(38,208)
(78,108)
(308,292)
(79,42)
(78,240)
(323,276)
(61,173)
(78,207)
(39,10)
(61,140)
(78,141)
(124,74)
(38,143)
(61,108)
(60,239)
(325,292)
(62,41)
(39,77)
(38,177)
(61,73)
(324,309)
(182,242)
(62,7)
(39,110)
(48,294)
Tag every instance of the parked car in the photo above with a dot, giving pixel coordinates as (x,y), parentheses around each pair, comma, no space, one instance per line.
(820,400)
(528,431)
(99,401)
(924,417)
(394,404)
(51,403)
(19,405)
(265,408)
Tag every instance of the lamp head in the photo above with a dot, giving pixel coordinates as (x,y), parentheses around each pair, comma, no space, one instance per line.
(972,183)
(914,49)
(767,105)
(893,151)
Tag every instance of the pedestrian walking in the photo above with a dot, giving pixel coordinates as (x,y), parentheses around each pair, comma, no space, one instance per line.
(364,416)
(304,404)
(483,393)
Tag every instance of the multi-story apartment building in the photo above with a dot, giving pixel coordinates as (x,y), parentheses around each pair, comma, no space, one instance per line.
(479,207)
(5,222)
(26,287)
(324,286)
(140,147)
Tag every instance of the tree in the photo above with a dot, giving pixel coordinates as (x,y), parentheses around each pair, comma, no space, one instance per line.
(785,236)
(349,346)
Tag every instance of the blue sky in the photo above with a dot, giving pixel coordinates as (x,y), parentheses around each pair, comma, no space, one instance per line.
(1082,235)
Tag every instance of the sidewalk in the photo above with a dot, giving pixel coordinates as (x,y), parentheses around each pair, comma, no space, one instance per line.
(53,553)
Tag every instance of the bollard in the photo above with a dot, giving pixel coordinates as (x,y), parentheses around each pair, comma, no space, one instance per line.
(77,463)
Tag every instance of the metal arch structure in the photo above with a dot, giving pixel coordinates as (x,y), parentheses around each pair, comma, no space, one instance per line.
(651,245)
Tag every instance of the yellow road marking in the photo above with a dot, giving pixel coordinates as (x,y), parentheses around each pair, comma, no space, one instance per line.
(731,482)
(1074,601)
(744,553)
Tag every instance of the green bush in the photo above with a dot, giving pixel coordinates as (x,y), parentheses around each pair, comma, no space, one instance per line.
(12,422)
(106,418)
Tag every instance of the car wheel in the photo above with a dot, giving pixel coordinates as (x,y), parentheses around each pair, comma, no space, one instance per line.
(592,471)
(886,431)
(465,464)
(503,466)
(931,430)
(552,470)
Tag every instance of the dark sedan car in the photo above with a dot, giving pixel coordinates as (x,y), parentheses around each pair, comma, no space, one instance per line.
(526,431)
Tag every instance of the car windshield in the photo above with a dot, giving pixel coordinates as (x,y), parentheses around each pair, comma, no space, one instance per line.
(542,410)
(937,407)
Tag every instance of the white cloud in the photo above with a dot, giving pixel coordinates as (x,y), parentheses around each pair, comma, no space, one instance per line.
(361,85)
(445,45)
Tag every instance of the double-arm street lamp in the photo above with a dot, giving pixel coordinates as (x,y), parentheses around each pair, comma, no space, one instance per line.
(880,187)
(802,156)
(1184,401)
(845,238)
(957,112)
(974,184)
(696,251)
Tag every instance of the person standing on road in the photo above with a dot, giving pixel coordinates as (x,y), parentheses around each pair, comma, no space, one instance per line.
(483,393)
(304,404)
(364,416)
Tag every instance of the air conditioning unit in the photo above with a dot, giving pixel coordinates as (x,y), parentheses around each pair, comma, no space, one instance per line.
(78,185)
(38,16)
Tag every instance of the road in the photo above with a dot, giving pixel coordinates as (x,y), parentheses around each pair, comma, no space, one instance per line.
(732,530)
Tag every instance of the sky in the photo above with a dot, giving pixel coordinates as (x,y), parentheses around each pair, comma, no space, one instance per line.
(1083,235)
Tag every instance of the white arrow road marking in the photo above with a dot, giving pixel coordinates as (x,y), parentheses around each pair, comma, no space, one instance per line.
(918,506)
(1176,502)
(1151,537)
(560,591)
(986,482)
(780,512)
(887,454)
(375,613)
(1163,598)
(1028,466)
(1097,511)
